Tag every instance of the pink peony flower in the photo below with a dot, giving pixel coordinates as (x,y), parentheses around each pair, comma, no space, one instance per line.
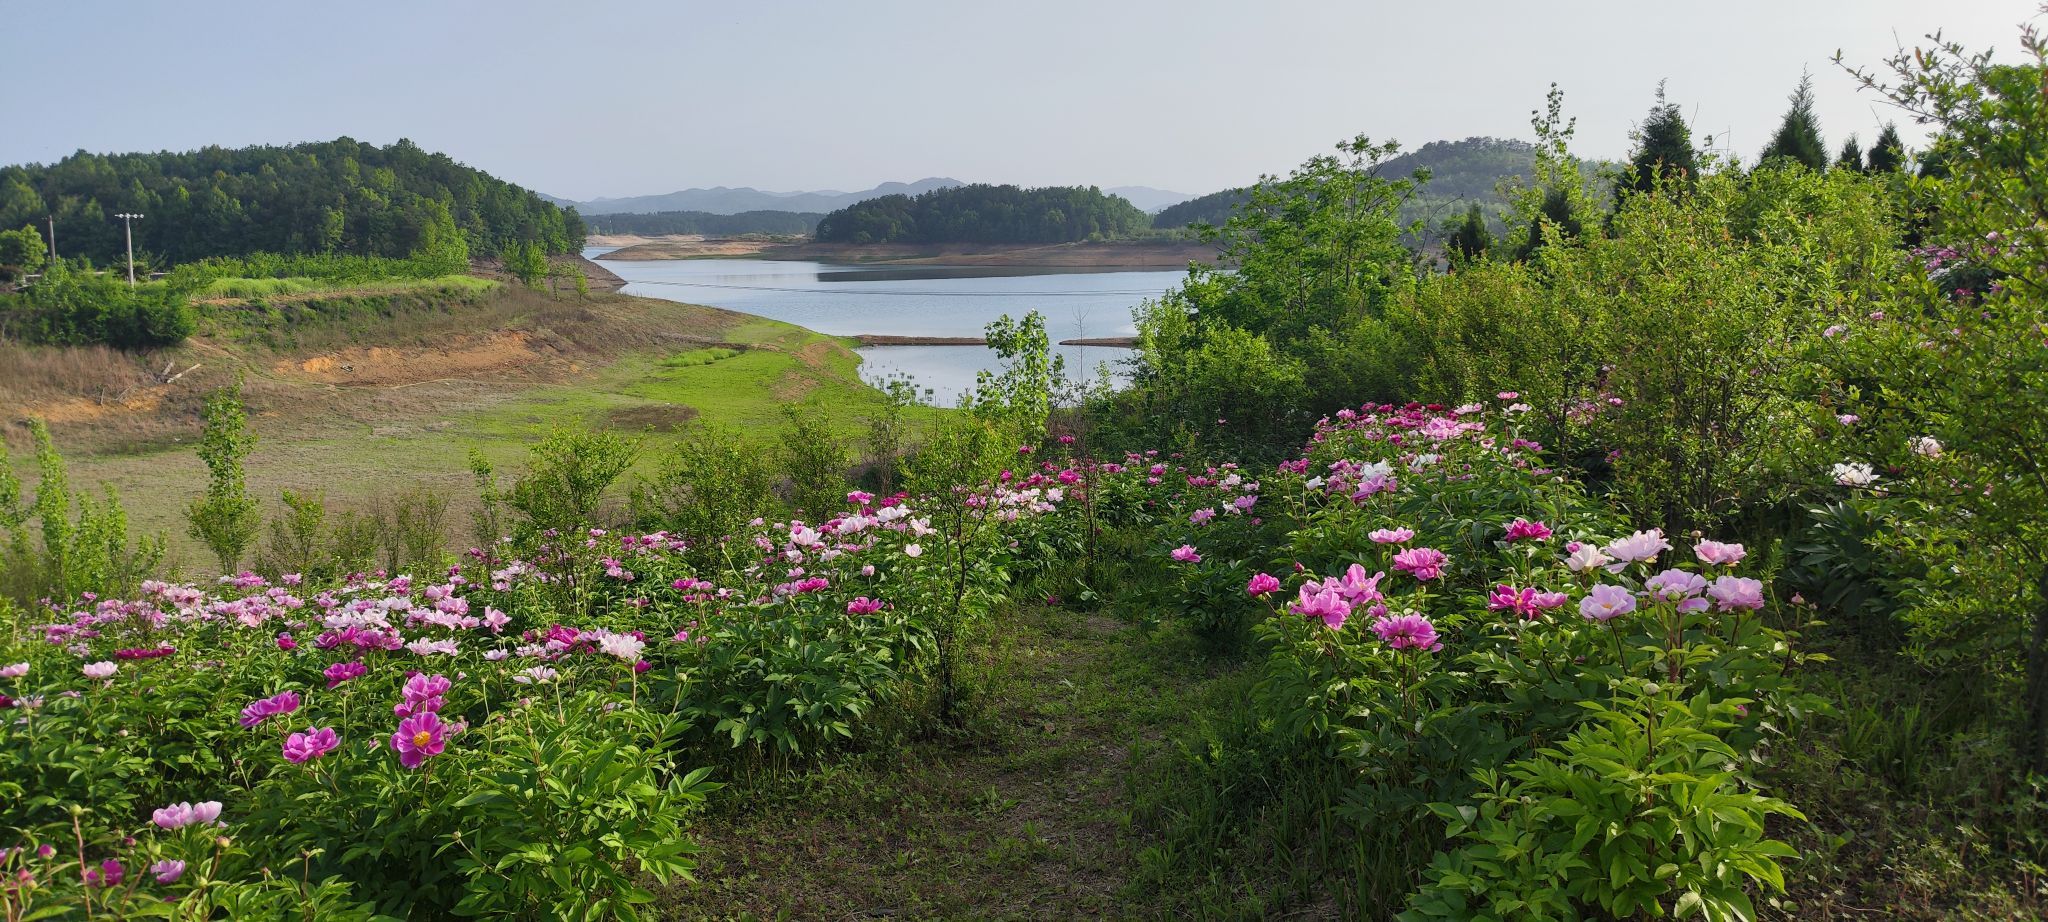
(168,871)
(304,747)
(1605,603)
(1716,554)
(1525,530)
(1637,548)
(1262,584)
(1319,601)
(1675,585)
(101,670)
(419,737)
(1392,535)
(863,606)
(259,711)
(1733,592)
(1202,516)
(180,815)
(1423,563)
(13,671)
(1186,553)
(1407,632)
(1584,558)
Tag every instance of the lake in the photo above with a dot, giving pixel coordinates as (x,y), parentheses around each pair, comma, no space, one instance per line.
(845,300)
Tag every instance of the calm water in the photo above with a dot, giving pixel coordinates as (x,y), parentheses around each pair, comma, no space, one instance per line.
(911,301)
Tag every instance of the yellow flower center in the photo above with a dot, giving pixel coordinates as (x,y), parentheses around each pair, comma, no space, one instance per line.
(422,738)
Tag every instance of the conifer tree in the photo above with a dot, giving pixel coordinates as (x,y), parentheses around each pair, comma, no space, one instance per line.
(1888,155)
(1851,157)
(1472,238)
(1663,149)
(1798,137)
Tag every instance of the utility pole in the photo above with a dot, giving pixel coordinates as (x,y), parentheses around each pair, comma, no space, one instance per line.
(127,222)
(53,240)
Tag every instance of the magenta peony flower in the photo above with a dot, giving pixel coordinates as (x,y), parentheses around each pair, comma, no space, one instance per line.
(1733,592)
(1716,554)
(1262,584)
(1525,530)
(338,673)
(1407,632)
(1356,587)
(420,736)
(1605,603)
(1423,563)
(863,606)
(286,642)
(1507,598)
(422,694)
(108,874)
(300,748)
(1319,601)
(259,711)
(180,815)
(1186,553)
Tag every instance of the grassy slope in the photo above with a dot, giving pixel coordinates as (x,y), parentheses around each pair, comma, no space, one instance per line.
(362,408)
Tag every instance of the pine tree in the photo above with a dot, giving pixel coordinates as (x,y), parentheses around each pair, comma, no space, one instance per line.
(1470,241)
(1663,149)
(1798,138)
(1888,155)
(1851,157)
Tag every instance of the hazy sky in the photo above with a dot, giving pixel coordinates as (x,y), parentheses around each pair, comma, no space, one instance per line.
(596,98)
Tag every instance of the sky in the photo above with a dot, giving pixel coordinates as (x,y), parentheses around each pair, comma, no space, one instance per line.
(634,97)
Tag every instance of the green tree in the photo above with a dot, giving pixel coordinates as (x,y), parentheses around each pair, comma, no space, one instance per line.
(227,519)
(1470,238)
(1664,150)
(22,250)
(1798,136)
(1851,157)
(1888,155)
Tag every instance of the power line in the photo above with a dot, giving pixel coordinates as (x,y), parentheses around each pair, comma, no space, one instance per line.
(1149,292)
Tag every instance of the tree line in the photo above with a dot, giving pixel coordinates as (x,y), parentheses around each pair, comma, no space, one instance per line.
(984,213)
(333,197)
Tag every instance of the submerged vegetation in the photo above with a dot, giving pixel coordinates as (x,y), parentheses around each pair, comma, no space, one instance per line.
(1675,552)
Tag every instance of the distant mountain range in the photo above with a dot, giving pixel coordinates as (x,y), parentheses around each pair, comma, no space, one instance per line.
(724,200)
(1148,199)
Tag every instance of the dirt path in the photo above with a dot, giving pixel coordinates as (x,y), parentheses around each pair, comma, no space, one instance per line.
(1026,819)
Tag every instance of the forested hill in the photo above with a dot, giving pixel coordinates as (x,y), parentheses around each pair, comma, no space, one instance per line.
(340,196)
(1460,172)
(706,223)
(987,214)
